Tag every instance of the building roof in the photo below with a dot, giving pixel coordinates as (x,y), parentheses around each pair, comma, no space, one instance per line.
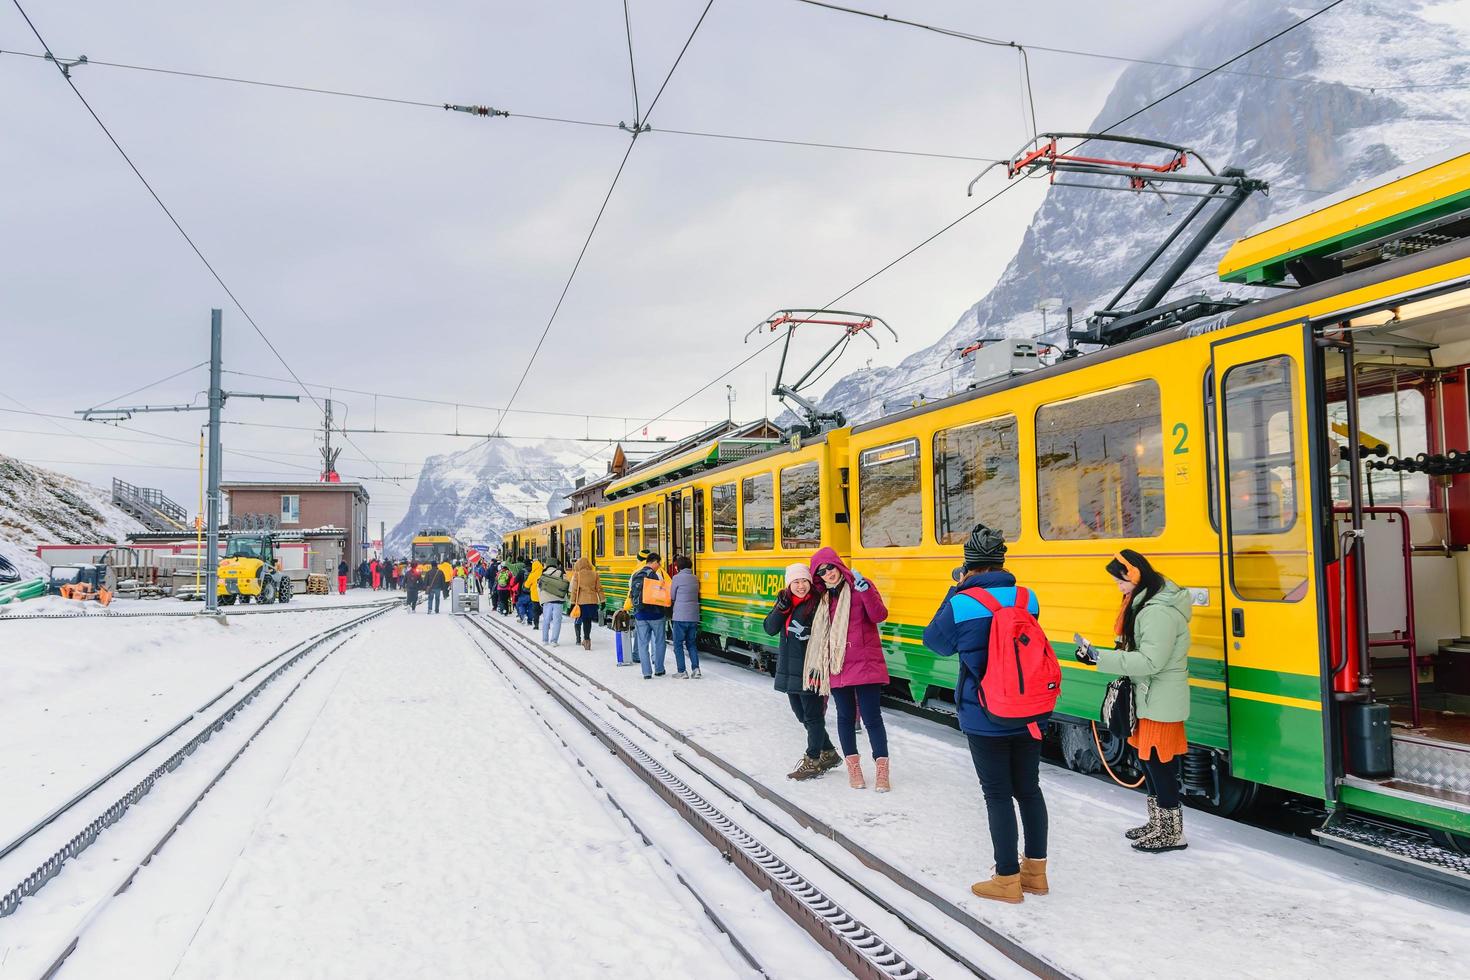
(294,487)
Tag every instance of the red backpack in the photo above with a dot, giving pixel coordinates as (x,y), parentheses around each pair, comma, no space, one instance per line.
(1022,677)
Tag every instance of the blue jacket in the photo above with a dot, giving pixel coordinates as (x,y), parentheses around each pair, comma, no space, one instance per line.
(962,626)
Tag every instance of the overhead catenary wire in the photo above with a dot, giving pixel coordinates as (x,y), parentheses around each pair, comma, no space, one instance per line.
(66,77)
(536,117)
(637,128)
(957,221)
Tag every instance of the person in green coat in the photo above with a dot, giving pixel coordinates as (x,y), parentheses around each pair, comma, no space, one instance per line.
(1153,652)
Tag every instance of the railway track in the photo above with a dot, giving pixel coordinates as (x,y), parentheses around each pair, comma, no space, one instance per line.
(59,837)
(907,908)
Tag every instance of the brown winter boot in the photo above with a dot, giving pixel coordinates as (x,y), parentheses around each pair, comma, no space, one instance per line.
(855,772)
(587,643)
(1000,888)
(807,768)
(1033,876)
(829,759)
(880,781)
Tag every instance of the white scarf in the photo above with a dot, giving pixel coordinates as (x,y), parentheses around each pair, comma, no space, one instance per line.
(827,649)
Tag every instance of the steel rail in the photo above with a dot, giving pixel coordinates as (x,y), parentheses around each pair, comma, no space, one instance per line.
(51,817)
(1012,950)
(127,881)
(88,835)
(857,947)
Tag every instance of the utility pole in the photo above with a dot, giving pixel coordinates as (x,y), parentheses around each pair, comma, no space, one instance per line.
(217,399)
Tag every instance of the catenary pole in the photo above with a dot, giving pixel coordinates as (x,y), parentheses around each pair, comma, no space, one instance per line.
(216,402)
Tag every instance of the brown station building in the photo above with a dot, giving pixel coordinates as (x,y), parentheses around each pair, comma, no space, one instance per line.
(303,507)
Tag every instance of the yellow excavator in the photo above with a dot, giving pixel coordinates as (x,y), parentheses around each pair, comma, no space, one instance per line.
(250,569)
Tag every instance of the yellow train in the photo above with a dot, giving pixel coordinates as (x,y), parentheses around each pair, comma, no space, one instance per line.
(1232,449)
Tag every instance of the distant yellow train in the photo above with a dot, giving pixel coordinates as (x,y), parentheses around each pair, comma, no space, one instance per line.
(1219,447)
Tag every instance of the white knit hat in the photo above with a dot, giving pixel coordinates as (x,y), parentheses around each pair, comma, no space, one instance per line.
(797,570)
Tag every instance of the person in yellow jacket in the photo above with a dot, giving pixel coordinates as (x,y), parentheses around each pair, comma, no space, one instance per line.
(533,583)
(447,570)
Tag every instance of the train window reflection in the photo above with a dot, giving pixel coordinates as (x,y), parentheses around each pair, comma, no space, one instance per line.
(758,511)
(619,546)
(888,495)
(723,514)
(635,535)
(801,506)
(651,539)
(598,536)
(1268,544)
(976,479)
(1100,465)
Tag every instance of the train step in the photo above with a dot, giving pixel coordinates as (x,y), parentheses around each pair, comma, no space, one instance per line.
(1395,847)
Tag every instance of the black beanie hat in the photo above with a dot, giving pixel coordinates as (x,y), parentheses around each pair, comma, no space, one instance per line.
(985,547)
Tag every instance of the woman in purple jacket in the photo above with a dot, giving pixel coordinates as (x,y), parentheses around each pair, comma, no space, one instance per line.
(845,658)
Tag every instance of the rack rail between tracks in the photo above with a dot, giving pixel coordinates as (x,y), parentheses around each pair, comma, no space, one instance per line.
(88,835)
(861,950)
(1012,950)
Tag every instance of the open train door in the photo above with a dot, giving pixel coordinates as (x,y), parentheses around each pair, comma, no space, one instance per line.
(1264,416)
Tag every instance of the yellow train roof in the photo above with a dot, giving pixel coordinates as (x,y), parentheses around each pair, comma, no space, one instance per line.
(1411,196)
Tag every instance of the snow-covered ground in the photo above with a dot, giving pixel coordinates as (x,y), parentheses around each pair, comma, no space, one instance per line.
(408,817)
(77,696)
(1239,902)
(56,606)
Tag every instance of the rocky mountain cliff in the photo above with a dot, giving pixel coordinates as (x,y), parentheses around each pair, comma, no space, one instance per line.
(1361,89)
(39,505)
(481,492)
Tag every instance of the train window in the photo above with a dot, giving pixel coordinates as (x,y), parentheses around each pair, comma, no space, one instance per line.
(699,521)
(1100,465)
(758,512)
(1268,544)
(619,542)
(651,539)
(976,479)
(635,534)
(687,535)
(801,506)
(723,512)
(888,495)
(599,536)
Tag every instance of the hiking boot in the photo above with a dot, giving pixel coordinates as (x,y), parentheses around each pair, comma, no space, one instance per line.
(880,781)
(658,673)
(807,768)
(1139,833)
(1000,888)
(1033,876)
(855,772)
(1169,836)
(829,759)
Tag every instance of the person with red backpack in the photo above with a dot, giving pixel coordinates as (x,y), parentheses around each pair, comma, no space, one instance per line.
(1009,680)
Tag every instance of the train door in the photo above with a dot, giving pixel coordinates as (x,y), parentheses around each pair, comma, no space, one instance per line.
(555,549)
(1263,422)
(677,540)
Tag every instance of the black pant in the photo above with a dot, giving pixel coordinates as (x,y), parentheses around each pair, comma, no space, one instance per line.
(811,710)
(1009,769)
(1162,779)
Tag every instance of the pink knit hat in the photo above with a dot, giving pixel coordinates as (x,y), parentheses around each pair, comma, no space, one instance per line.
(797,570)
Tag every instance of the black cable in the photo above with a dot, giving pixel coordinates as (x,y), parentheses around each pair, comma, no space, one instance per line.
(988,200)
(568,284)
(562,120)
(66,76)
(687,41)
(632,69)
(578,264)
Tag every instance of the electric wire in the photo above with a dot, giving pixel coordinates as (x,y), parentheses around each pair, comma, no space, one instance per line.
(632,68)
(815,144)
(66,76)
(151,384)
(951,225)
(632,142)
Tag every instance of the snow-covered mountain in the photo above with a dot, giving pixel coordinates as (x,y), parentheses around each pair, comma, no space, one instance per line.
(39,505)
(494,486)
(1383,82)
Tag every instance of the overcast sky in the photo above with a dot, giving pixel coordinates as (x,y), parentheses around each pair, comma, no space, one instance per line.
(405,250)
